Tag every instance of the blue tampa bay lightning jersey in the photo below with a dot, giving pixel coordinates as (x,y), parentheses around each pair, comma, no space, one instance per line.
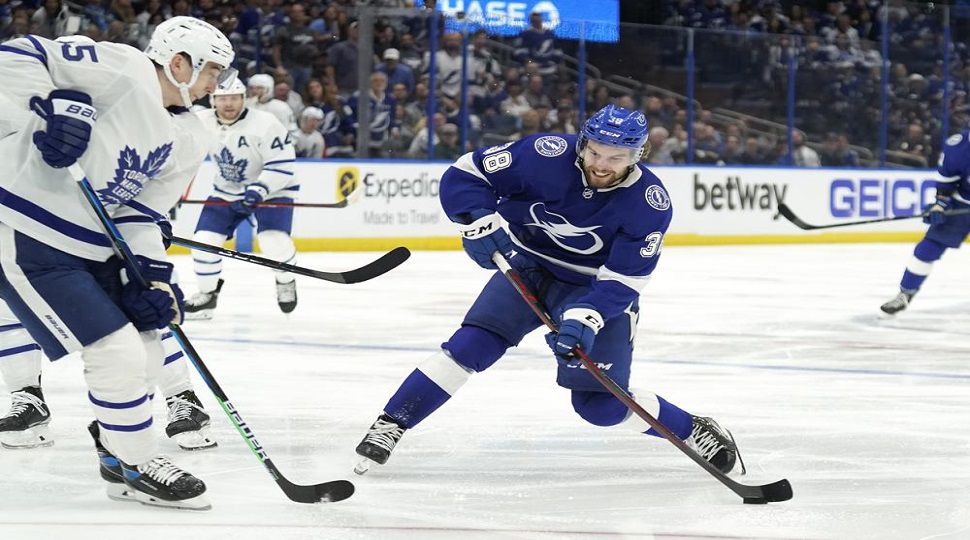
(955,165)
(608,238)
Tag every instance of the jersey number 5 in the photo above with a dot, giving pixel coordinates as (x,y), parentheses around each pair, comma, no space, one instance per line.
(76,53)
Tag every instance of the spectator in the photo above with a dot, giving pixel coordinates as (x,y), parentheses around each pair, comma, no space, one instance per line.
(51,19)
(397,73)
(410,53)
(537,44)
(915,143)
(564,119)
(732,150)
(804,155)
(308,142)
(535,95)
(417,107)
(283,93)
(343,58)
(260,91)
(335,125)
(754,153)
(516,104)
(295,47)
(530,124)
(382,119)
(447,65)
(598,98)
(659,151)
(837,153)
(400,141)
(448,147)
(627,102)
(419,145)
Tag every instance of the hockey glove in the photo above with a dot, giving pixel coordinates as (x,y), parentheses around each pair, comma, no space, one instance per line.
(579,326)
(483,235)
(247,205)
(157,306)
(935,214)
(70,117)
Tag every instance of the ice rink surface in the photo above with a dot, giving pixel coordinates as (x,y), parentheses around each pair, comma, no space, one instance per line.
(868,419)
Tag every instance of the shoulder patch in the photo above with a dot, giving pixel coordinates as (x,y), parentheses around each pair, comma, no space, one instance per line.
(954,139)
(657,198)
(551,146)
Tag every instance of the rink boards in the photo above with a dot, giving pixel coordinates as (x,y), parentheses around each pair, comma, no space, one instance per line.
(395,203)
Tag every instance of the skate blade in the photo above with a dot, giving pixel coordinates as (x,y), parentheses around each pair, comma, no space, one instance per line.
(203,315)
(364,465)
(195,440)
(35,437)
(125,493)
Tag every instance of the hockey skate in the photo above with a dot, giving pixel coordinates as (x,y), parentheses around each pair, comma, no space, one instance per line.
(159,482)
(201,304)
(377,445)
(898,303)
(715,444)
(286,296)
(26,424)
(188,423)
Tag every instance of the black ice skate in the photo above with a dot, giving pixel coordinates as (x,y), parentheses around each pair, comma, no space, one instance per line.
(201,304)
(898,303)
(108,465)
(378,443)
(188,423)
(714,443)
(159,482)
(286,296)
(26,424)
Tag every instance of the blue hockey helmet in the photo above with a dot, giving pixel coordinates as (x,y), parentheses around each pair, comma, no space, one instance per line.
(615,126)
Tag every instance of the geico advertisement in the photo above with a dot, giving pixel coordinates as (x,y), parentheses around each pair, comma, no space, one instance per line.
(726,200)
(383,200)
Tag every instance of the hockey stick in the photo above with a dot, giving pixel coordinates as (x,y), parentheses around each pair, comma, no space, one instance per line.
(220,202)
(383,264)
(336,490)
(774,492)
(784,210)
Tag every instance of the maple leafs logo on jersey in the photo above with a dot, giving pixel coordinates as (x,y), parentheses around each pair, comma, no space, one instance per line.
(229,169)
(132,173)
(581,240)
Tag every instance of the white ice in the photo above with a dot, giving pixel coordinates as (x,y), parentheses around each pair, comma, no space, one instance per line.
(868,419)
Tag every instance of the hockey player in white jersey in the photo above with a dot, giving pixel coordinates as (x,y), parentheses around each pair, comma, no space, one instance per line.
(255,156)
(260,90)
(119,114)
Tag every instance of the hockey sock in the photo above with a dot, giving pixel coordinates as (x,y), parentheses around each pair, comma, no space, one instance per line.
(426,388)
(174,375)
(208,267)
(20,357)
(676,419)
(926,253)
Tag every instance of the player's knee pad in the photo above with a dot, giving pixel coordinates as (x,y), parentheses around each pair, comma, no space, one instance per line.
(475,348)
(277,245)
(928,250)
(599,408)
(117,364)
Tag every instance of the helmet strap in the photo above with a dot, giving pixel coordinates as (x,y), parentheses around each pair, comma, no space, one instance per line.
(182,87)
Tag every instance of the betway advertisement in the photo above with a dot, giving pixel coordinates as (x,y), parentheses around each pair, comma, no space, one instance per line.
(399,200)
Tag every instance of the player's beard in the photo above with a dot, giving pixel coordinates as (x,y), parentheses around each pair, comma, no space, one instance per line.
(601,182)
(227,120)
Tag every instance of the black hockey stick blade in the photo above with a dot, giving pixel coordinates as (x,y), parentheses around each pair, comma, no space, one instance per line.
(795,220)
(774,492)
(334,491)
(382,265)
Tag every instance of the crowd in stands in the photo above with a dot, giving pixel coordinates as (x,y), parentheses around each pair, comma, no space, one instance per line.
(300,61)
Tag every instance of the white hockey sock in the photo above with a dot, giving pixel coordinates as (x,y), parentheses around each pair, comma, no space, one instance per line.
(445,372)
(174,376)
(278,246)
(650,403)
(20,357)
(117,372)
(208,266)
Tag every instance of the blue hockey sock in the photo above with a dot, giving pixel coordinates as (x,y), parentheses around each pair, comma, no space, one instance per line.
(676,419)
(426,388)
(926,253)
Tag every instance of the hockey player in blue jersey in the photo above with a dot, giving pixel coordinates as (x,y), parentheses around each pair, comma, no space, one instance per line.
(945,231)
(122,116)
(586,224)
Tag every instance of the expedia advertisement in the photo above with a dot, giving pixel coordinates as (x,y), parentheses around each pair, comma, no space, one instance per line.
(373,204)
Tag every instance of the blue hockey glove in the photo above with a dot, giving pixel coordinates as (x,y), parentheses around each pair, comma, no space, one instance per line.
(483,235)
(157,306)
(70,117)
(934,214)
(247,205)
(578,328)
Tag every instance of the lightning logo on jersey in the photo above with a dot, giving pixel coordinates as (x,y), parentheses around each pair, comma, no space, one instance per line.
(132,173)
(231,170)
(581,240)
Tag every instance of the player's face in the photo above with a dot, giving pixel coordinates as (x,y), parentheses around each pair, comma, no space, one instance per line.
(207,81)
(605,165)
(228,107)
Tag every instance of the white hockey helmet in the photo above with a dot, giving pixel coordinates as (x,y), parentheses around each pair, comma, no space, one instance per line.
(201,41)
(230,88)
(262,80)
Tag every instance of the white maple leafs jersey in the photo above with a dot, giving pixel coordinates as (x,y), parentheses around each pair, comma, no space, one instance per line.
(254,152)
(140,157)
